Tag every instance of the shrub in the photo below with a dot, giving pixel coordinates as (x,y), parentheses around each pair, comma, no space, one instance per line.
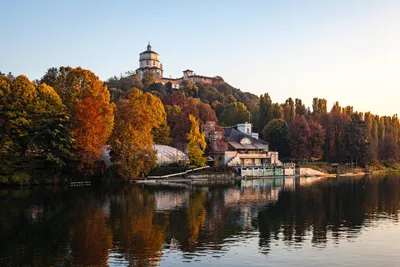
(20,178)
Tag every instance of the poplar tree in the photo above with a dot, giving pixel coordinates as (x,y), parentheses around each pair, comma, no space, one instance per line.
(197,143)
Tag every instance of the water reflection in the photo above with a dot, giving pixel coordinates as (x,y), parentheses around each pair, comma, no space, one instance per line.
(144,226)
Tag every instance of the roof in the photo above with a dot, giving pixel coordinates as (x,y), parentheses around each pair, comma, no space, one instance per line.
(187,70)
(234,137)
(149,51)
(168,154)
(147,68)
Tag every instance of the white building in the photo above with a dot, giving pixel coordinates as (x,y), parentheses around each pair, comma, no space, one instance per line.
(245,149)
(150,61)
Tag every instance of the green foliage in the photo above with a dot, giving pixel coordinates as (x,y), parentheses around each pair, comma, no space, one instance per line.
(34,125)
(20,178)
(265,110)
(276,133)
(233,114)
(4,179)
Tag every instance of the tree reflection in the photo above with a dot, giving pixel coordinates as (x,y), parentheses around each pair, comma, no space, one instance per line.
(338,209)
(33,227)
(196,215)
(91,235)
(139,233)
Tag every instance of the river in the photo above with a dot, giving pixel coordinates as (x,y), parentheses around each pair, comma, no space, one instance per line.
(351,221)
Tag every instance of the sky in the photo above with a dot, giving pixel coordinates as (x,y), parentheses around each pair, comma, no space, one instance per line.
(340,50)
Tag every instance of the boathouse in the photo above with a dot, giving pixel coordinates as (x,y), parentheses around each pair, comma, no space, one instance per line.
(245,149)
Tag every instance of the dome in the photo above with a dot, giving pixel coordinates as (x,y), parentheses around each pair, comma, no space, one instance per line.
(167,154)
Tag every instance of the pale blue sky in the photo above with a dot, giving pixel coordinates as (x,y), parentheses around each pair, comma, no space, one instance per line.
(339,50)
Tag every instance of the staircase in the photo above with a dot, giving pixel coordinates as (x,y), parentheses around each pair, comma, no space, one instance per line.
(234,161)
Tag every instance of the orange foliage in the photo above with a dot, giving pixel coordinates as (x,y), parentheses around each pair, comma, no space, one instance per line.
(92,128)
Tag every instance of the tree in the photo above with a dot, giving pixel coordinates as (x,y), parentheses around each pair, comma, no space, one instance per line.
(197,143)
(389,149)
(288,110)
(319,107)
(161,134)
(51,137)
(181,125)
(277,111)
(317,138)
(131,141)
(148,78)
(87,102)
(93,123)
(355,139)
(300,108)
(234,113)
(34,124)
(276,133)
(300,135)
(266,110)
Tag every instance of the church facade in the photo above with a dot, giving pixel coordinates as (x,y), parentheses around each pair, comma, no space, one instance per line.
(149,61)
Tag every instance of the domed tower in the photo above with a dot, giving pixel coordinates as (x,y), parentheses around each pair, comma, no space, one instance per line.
(150,61)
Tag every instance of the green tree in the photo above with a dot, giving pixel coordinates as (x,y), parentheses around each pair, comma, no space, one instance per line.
(34,124)
(234,113)
(266,110)
(276,133)
(51,136)
(355,139)
(197,143)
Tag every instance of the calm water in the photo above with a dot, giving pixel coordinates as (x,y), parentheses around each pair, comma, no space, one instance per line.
(291,222)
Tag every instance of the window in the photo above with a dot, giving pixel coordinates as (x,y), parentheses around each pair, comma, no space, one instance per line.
(154,63)
(248,130)
(147,62)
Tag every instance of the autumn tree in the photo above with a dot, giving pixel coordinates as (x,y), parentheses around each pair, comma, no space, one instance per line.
(319,107)
(87,101)
(300,108)
(181,124)
(131,142)
(288,110)
(316,141)
(276,133)
(300,135)
(197,143)
(161,134)
(389,149)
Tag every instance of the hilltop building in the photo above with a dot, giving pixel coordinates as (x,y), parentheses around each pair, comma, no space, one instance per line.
(150,61)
